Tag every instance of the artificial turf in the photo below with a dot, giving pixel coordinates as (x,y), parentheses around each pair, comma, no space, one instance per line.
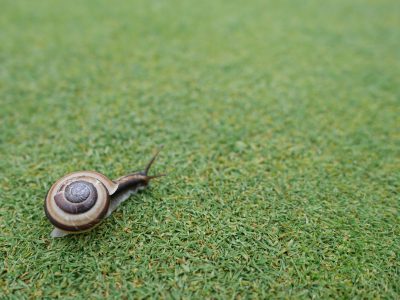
(280,121)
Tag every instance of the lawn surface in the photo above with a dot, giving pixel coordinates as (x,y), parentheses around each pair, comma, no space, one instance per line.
(280,121)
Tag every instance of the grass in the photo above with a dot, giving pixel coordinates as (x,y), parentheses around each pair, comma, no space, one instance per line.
(280,121)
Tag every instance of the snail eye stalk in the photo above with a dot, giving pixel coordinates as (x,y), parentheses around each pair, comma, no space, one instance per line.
(150,163)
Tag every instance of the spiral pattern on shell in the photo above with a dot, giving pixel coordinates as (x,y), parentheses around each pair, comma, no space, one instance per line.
(79,201)
(76,197)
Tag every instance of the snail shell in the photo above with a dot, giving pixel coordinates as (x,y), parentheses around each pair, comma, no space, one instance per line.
(79,201)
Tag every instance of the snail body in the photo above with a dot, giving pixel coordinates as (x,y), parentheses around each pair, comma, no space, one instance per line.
(79,201)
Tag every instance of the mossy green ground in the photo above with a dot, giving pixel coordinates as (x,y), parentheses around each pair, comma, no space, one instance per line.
(280,121)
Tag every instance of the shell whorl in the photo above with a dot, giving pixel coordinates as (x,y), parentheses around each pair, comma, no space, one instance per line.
(77,197)
(79,200)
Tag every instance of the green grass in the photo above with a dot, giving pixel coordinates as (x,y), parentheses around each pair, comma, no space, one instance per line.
(280,121)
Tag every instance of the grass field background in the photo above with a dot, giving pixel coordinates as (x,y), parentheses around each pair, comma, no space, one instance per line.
(280,121)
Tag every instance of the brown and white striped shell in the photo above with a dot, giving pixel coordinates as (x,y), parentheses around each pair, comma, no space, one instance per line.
(79,200)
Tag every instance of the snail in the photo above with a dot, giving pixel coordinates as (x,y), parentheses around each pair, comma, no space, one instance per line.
(80,200)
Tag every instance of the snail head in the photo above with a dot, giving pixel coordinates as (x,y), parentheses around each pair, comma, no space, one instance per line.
(145,172)
(138,179)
